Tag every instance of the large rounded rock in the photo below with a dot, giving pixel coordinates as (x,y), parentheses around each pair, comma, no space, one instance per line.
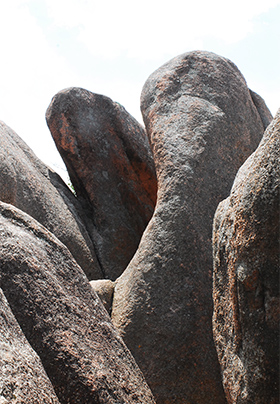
(22,376)
(108,157)
(62,317)
(246,277)
(202,125)
(31,186)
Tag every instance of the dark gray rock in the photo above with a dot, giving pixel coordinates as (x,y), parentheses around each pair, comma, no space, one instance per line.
(202,125)
(108,157)
(246,277)
(263,111)
(30,185)
(62,317)
(22,376)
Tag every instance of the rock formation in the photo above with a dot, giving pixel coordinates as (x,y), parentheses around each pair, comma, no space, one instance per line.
(109,161)
(62,318)
(67,262)
(202,125)
(264,113)
(22,376)
(246,277)
(105,290)
(30,185)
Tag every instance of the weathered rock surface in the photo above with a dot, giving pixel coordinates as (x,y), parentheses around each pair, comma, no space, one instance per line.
(264,113)
(108,157)
(202,125)
(105,290)
(62,317)
(246,277)
(30,185)
(22,376)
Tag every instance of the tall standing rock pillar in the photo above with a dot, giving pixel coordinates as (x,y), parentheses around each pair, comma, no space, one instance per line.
(246,277)
(202,125)
(108,157)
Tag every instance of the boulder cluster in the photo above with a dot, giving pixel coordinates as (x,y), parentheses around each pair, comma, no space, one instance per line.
(157,280)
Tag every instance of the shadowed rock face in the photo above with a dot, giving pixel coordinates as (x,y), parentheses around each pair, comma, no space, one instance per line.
(109,161)
(62,317)
(104,288)
(246,277)
(202,125)
(31,186)
(264,113)
(22,376)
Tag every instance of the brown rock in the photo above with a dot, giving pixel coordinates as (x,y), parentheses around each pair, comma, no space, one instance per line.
(202,124)
(30,185)
(246,277)
(105,290)
(62,317)
(22,376)
(109,161)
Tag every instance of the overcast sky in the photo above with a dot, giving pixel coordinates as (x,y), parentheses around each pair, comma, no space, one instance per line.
(111,47)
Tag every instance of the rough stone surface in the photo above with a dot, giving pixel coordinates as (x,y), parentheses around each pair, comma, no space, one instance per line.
(109,161)
(62,317)
(22,376)
(105,290)
(263,111)
(202,125)
(30,185)
(246,277)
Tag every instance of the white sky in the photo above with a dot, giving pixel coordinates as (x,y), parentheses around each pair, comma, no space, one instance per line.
(112,46)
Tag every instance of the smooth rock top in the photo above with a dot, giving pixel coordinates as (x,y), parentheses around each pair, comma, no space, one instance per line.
(246,277)
(202,125)
(63,319)
(36,189)
(108,157)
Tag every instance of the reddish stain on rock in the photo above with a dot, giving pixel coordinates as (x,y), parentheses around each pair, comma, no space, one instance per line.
(30,185)
(109,161)
(202,125)
(246,277)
